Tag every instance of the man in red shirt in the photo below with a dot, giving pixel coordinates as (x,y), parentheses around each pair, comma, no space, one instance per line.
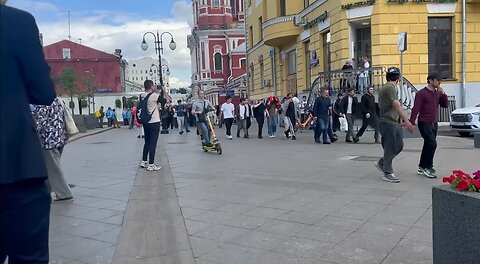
(426,105)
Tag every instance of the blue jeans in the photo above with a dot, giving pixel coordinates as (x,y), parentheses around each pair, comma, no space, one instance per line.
(272,125)
(205,132)
(362,84)
(321,128)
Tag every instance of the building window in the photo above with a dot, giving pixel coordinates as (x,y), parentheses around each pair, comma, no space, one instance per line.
(260,30)
(292,63)
(136,78)
(141,71)
(251,78)
(216,2)
(250,37)
(262,76)
(243,63)
(440,46)
(66,54)
(283,8)
(141,78)
(306,3)
(218,61)
(308,67)
(233,7)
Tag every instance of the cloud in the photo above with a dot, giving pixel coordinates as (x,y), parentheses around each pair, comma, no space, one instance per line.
(107,31)
(177,83)
(183,10)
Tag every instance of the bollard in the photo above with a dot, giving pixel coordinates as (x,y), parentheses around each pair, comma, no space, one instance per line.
(476,139)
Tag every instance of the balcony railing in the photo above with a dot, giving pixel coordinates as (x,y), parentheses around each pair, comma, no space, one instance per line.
(276,20)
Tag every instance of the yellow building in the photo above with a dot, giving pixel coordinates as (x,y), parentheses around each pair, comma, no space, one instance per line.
(292,42)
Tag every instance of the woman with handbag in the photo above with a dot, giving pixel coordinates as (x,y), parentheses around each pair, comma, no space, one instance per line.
(54,123)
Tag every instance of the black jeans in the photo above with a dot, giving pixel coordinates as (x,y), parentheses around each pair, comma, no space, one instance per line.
(429,133)
(373,122)
(151,130)
(24,222)
(336,123)
(392,143)
(228,124)
(260,122)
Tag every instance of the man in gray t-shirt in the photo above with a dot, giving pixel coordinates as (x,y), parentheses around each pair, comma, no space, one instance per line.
(202,107)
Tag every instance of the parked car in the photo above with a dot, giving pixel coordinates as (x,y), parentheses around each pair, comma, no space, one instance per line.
(465,120)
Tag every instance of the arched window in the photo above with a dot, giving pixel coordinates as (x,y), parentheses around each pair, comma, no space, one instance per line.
(218,61)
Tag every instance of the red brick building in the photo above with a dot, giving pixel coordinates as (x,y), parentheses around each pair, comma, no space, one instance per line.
(217,37)
(105,69)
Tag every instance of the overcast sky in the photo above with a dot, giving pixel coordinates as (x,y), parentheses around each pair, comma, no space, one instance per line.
(107,25)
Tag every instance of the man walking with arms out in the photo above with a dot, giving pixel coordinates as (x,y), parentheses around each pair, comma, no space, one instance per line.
(152,127)
(369,114)
(392,134)
(24,196)
(426,105)
(228,111)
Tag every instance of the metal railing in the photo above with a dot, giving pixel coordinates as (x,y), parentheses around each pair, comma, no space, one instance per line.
(344,80)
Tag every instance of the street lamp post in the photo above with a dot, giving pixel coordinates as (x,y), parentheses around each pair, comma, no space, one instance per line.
(158,48)
(158,40)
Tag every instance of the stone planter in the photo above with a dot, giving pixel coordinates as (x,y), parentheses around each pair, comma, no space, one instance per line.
(456,226)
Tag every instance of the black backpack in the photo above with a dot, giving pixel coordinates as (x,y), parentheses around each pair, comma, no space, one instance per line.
(143,116)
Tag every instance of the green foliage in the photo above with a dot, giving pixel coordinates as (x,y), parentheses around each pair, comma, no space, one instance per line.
(84,103)
(71,104)
(67,80)
(118,103)
(182,91)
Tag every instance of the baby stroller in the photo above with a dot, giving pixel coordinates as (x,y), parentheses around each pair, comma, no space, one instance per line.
(215,146)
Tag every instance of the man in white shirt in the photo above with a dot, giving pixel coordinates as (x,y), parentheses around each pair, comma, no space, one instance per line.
(363,77)
(350,103)
(228,110)
(152,128)
(242,113)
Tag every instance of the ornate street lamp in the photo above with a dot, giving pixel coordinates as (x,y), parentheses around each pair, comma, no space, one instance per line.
(158,48)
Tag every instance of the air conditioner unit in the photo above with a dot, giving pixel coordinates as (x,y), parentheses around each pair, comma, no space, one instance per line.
(266,83)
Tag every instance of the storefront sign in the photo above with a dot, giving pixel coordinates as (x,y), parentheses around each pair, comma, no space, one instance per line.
(358,4)
(315,21)
(104,90)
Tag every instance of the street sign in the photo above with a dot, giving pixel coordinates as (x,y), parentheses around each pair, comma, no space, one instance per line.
(402,41)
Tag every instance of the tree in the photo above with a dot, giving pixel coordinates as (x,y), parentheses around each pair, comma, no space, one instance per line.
(89,86)
(68,82)
(182,91)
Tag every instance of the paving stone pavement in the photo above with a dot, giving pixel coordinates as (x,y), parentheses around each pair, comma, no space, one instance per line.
(282,201)
(262,201)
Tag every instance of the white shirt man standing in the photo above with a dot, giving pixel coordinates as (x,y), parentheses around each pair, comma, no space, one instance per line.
(228,110)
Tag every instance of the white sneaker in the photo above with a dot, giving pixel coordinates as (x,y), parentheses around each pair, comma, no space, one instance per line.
(143,164)
(273,136)
(153,167)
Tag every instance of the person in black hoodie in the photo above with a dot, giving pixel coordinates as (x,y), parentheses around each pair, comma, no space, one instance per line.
(337,112)
(369,114)
(259,114)
(350,103)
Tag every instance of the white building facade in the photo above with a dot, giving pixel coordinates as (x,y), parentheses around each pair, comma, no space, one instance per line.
(140,70)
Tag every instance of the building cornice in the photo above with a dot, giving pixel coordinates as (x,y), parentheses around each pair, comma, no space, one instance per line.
(311,8)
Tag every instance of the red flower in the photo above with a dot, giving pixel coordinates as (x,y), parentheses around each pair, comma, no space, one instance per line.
(449,179)
(463,185)
(476,183)
(460,173)
(477,174)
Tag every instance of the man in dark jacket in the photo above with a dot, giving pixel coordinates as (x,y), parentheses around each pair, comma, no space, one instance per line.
(259,113)
(369,114)
(321,114)
(350,103)
(24,196)
(337,112)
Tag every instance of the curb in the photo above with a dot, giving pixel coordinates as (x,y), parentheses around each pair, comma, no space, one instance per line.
(89,134)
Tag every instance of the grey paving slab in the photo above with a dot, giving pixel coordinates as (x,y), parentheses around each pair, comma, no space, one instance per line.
(285,202)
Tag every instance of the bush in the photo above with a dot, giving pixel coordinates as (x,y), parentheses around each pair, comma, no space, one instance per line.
(71,104)
(118,103)
(84,103)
